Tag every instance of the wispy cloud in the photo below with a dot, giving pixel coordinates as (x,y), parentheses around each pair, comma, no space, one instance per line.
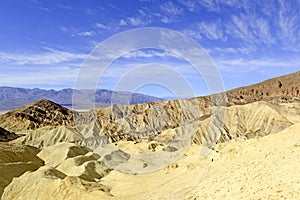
(212,30)
(289,25)
(50,56)
(133,21)
(63,29)
(43,8)
(87,33)
(211,5)
(90,11)
(74,32)
(99,25)
(66,7)
(235,66)
(58,77)
(147,54)
(250,30)
(216,6)
(191,5)
(223,51)
(169,12)
(195,34)
(170,8)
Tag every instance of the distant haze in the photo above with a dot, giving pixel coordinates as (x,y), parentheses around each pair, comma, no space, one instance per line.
(11,98)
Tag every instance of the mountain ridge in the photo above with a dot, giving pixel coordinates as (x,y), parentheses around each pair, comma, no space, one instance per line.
(14,97)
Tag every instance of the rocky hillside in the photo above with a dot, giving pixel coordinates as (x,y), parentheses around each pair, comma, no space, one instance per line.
(153,118)
(283,88)
(40,114)
(240,122)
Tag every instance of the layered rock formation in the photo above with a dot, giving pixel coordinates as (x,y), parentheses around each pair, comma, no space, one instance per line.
(41,114)
(15,159)
(146,120)
(71,172)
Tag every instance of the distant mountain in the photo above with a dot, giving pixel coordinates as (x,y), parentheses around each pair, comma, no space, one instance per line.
(174,98)
(12,98)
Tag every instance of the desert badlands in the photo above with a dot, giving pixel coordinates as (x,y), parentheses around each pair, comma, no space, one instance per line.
(250,151)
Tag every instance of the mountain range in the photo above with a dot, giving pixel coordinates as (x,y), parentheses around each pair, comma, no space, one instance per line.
(12,98)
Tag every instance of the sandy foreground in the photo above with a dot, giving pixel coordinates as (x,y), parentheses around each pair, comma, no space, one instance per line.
(262,168)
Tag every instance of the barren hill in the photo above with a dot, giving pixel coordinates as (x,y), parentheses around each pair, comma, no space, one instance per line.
(283,88)
(40,114)
(153,118)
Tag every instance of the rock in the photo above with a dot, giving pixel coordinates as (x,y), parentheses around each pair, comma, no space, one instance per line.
(241,122)
(49,183)
(57,154)
(42,114)
(89,135)
(15,159)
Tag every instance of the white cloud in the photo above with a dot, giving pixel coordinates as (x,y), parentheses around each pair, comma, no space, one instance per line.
(48,57)
(63,29)
(250,30)
(74,32)
(169,12)
(99,25)
(87,33)
(90,11)
(66,7)
(123,22)
(223,51)
(289,25)
(192,33)
(212,30)
(238,65)
(43,8)
(58,77)
(190,4)
(170,8)
(147,54)
(264,32)
(211,5)
(238,28)
(134,21)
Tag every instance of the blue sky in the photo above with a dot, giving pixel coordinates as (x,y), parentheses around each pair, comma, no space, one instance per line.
(44,42)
